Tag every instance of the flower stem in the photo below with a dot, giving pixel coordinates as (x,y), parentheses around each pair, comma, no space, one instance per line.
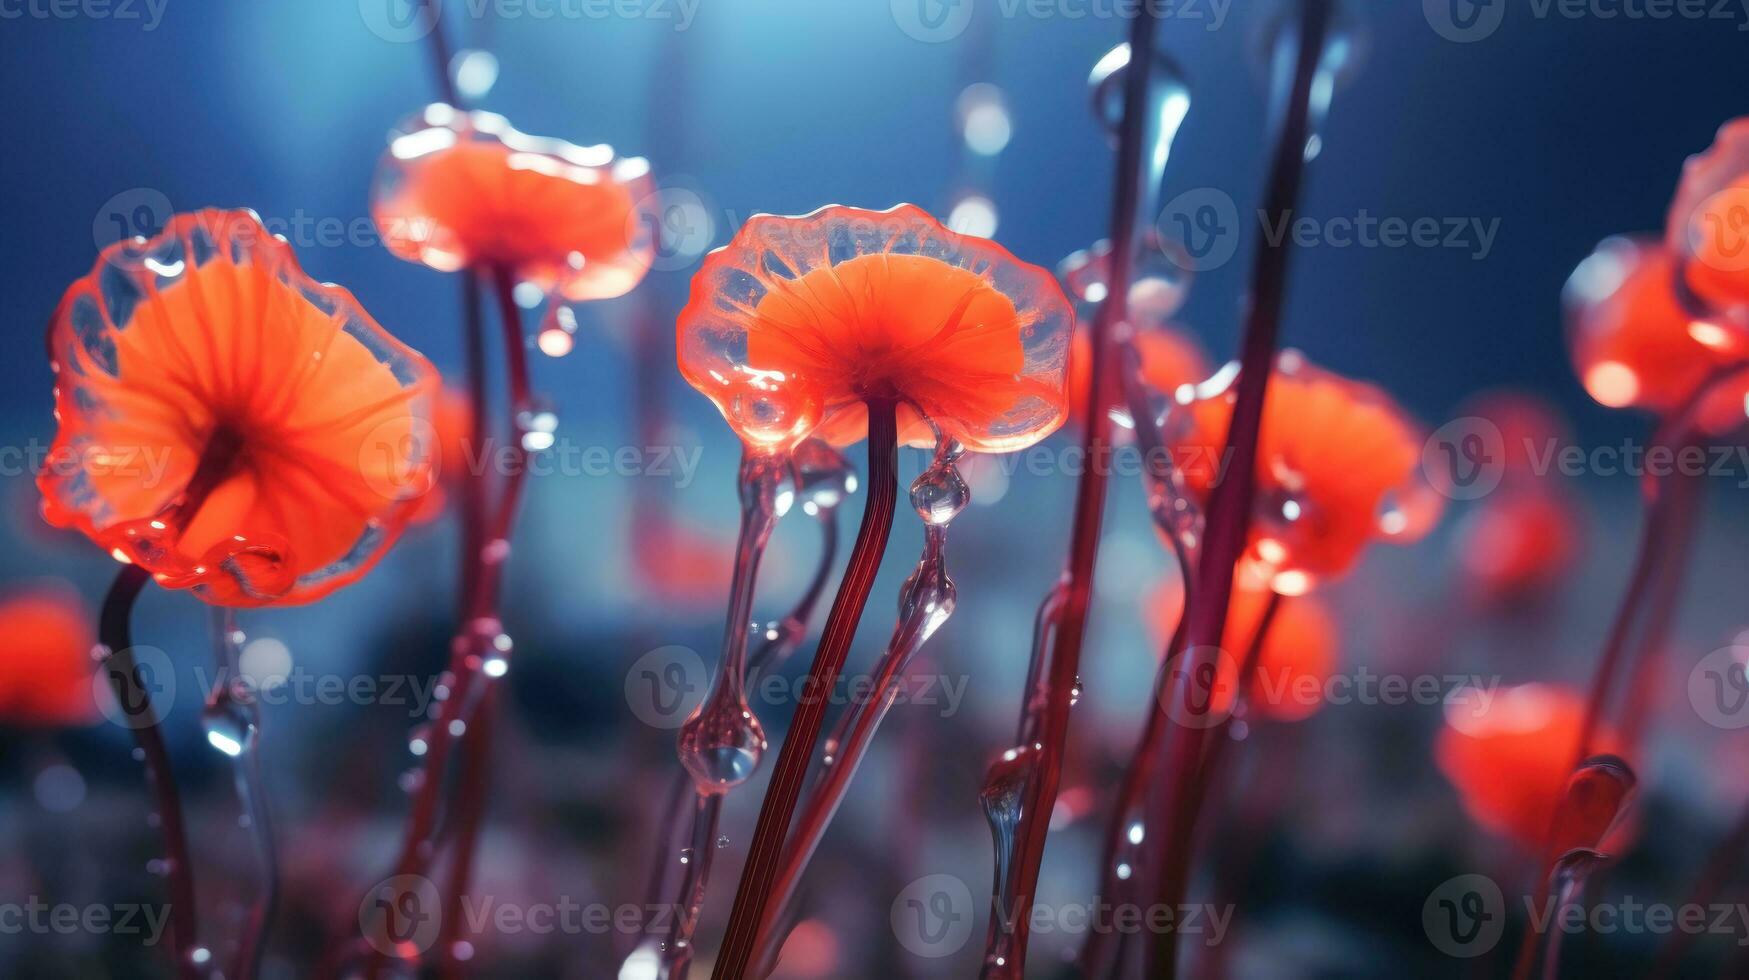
(241,731)
(480,636)
(925,603)
(1045,707)
(1229,506)
(781,637)
(763,854)
(135,697)
(720,743)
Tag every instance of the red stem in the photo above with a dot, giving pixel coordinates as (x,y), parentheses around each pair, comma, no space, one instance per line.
(1229,507)
(1105,947)
(488,581)
(135,697)
(763,855)
(1076,588)
(485,541)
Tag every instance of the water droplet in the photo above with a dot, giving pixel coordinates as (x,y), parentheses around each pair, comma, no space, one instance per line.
(723,840)
(824,478)
(228,725)
(558,330)
(939,494)
(475,73)
(720,745)
(1075,692)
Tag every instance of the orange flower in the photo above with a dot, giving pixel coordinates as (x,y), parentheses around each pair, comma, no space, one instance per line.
(1708,225)
(1338,464)
(1517,545)
(798,322)
(1509,756)
(46,672)
(1296,661)
(464,190)
(1635,346)
(228,423)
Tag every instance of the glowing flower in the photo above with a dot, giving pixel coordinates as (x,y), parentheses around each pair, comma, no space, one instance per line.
(228,423)
(46,672)
(1518,545)
(798,322)
(1708,225)
(1634,345)
(1297,658)
(464,190)
(1509,755)
(1338,464)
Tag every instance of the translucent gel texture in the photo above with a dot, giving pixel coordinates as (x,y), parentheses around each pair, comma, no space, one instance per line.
(212,328)
(1510,761)
(797,321)
(1633,344)
(464,190)
(1338,465)
(1708,224)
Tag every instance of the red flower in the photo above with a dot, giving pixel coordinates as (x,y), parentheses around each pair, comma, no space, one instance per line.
(1338,465)
(1708,225)
(798,322)
(46,673)
(464,190)
(1509,756)
(1518,544)
(227,422)
(1635,346)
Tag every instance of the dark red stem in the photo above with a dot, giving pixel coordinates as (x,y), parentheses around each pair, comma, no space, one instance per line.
(1063,661)
(485,543)
(1229,506)
(135,697)
(765,852)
